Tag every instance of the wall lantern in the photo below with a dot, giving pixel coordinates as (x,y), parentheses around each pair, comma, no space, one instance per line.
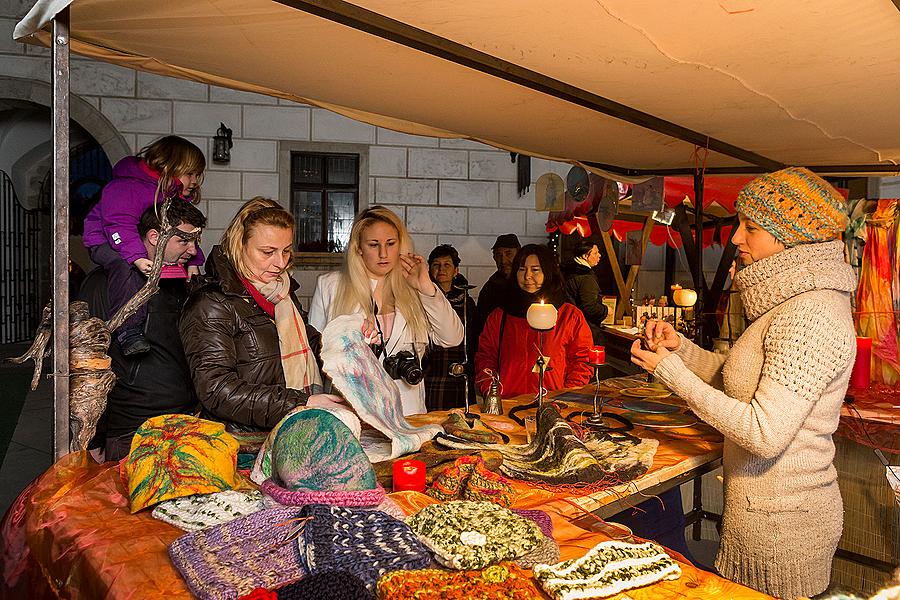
(222,145)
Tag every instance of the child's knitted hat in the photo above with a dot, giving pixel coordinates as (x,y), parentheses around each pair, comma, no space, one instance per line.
(366,543)
(178,455)
(230,560)
(469,479)
(795,205)
(497,582)
(317,460)
(473,535)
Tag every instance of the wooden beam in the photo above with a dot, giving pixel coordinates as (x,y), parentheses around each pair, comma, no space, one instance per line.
(633,271)
(623,304)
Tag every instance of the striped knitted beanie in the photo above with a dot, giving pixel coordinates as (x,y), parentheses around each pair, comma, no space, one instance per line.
(795,205)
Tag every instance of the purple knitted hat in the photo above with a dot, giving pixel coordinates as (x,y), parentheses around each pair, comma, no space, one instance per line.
(227,561)
(317,460)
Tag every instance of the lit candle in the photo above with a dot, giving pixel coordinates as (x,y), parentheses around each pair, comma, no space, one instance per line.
(859,377)
(597,355)
(541,316)
(684,296)
(409,475)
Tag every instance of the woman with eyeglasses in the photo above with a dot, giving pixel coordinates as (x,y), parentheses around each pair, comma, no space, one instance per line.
(252,359)
(385,281)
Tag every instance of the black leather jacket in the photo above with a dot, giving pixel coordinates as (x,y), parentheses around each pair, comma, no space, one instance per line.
(232,347)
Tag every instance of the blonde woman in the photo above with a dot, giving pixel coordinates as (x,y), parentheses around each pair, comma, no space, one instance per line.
(252,359)
(390,285)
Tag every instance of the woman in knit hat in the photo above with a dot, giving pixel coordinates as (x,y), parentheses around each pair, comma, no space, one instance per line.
(777,396)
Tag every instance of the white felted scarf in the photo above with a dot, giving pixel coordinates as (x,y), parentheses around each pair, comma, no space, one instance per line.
(300,368)
(358,375)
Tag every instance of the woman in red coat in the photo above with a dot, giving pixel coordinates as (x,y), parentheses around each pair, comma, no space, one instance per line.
(507,344)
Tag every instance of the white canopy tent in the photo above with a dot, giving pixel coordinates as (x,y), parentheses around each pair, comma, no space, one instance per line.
(628,87)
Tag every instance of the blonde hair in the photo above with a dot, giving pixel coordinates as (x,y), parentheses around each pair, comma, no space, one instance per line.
(255,212)
(173,156)
(354,290)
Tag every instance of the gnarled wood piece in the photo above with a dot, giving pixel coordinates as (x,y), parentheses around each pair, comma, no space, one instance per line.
(38,350)
(91,377)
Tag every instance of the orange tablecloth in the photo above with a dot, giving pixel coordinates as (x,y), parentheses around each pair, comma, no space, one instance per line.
(70,533)
(873,417)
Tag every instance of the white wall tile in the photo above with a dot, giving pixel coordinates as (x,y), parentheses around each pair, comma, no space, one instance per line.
(138,116)
(468,193)
(7,44)
(389,137)
(251,155)
(276,122)
(387,161)
(221,212)
(405,191)
(204,118)
(496,221)
(436,220)
(536,224)
(150,85)
(101,79)
(495,166)
(332,127)
(219,94)
(443,164)
(222,185)
(474,250)
(260,184)
(463,144)
(424,243)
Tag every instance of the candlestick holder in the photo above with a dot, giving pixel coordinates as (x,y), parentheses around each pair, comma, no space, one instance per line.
(597,421)
(542,318)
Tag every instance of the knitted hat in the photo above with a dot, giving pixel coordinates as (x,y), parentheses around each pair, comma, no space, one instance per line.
(178,455)
(366,543)
(193,513)
(469,479)
(795,205)
(230,560)
(607,569)
(473,535)
(327,585)
(497,582)
(317,460)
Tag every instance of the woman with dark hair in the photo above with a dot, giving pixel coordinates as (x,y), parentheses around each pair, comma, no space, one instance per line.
(582,286)
(509,346)
(444,391)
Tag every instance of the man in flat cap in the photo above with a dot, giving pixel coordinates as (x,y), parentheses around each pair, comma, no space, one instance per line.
(492,292)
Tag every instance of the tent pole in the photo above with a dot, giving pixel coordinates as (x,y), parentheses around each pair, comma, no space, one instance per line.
(699,309)
(60,126)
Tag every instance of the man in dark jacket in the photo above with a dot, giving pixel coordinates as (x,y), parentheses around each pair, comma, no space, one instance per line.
(583,288)
(493,291)
(157,382)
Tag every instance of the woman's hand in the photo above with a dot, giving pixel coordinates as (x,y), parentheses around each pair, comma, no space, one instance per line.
(415,271)
(647,359)
(661,334)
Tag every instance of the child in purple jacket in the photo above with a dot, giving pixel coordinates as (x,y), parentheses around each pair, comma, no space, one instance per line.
(169,167)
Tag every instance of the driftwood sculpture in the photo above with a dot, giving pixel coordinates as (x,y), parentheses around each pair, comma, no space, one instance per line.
(90,375)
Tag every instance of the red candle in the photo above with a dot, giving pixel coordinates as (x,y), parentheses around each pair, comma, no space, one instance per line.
(409,475)
(597,355)
(862,368)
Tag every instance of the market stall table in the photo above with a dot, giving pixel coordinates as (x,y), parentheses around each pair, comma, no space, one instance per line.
(70,533)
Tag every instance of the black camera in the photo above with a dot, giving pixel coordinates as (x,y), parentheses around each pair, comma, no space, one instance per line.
(404,365)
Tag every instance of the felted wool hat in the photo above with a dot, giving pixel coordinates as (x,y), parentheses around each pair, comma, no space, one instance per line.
(193,513)
(178,455)
(366,543)
(795,205)
(227,561)
(497,582)
(317,460)
(473,535)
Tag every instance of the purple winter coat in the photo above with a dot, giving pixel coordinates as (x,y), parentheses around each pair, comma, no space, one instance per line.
(114,219)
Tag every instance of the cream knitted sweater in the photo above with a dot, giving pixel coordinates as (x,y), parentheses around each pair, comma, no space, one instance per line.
(776,397)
